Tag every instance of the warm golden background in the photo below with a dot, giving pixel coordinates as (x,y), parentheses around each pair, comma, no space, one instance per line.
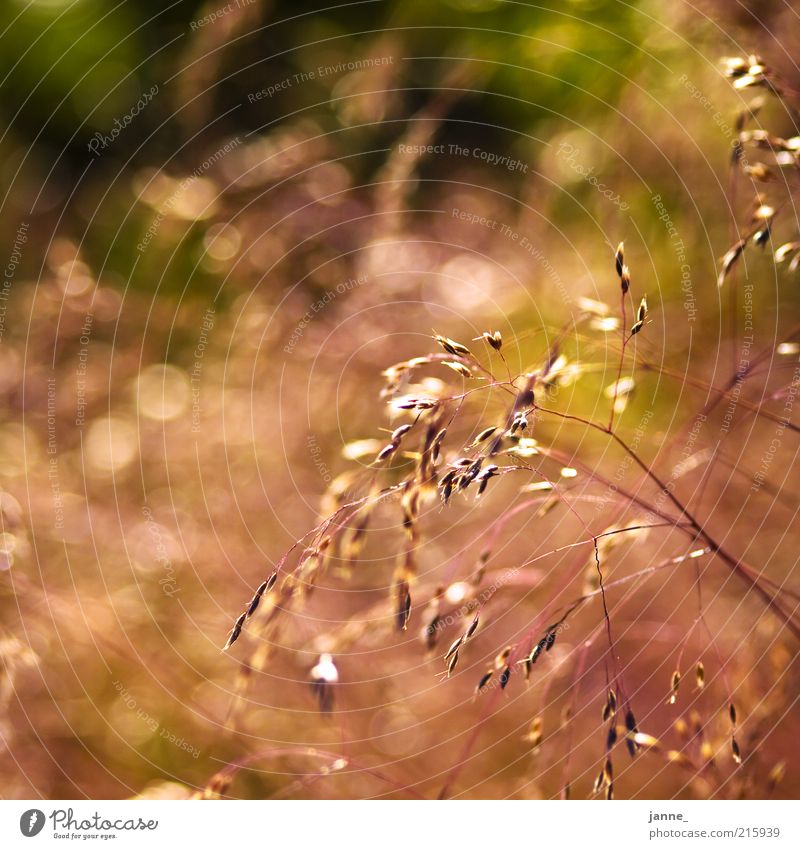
(175,406)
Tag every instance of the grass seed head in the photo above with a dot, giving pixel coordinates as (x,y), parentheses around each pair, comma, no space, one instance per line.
(399,432)
(674,685)
(502,659)
(451,346)
(235,631)
(457,367)
(484,680)
(483,436)
(700,675)
(454,647)
(625,279)
(729,260)
(254,602)
(535,733)
(324,677)
(494,339)
(619,258)
(776,775)
(452,664)
(387,451)
(473,626)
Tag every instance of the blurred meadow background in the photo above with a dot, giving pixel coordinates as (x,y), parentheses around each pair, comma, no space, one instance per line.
(221,223)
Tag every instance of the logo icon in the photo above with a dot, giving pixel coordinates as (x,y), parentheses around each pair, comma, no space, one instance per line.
(31,822)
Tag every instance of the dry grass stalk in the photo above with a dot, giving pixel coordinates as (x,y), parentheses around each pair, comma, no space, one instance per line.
(449,440)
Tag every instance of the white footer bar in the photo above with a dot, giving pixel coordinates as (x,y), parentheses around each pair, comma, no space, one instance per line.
(403,825)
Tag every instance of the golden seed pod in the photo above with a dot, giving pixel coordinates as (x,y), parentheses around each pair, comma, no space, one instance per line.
(674,685)
(619,258)
(700,675)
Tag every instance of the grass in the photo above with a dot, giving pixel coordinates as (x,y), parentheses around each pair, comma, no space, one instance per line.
(461,424)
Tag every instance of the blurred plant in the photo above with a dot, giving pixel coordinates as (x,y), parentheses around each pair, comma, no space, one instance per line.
(452,437)
(777,163)
(513,643)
